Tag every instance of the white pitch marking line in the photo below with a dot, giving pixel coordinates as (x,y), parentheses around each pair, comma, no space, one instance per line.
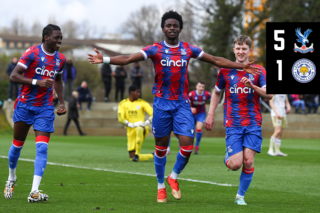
(116,171)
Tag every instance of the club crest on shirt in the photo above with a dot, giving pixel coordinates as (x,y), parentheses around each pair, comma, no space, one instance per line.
(42,58)
(303,39)
(232,77)
(57,62)
(166,50)
(251,78)
(183,52)
(138,107)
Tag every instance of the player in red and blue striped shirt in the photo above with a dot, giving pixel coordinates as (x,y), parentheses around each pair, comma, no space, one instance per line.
(39,67)
(242,114)
(171,108)
(198,99)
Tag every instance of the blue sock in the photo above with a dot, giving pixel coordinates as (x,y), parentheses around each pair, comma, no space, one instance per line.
(159,164)
(245,180)
(14,154)
(199,136)
(41,159)
(182,160)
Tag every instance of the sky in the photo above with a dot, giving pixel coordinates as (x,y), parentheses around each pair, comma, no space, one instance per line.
(104,14)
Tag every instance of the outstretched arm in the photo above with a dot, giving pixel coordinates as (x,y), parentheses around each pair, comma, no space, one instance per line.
(117,60)
(226,63)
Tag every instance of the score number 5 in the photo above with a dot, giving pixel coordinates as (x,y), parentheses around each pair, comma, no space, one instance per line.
(279,48)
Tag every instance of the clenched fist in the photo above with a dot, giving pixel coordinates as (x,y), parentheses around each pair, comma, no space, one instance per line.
(47,83)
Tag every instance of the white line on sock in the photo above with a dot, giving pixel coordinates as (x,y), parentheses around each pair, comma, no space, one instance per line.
(125,172)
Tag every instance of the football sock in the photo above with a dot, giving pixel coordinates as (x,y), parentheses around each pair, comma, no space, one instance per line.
(161,185)
(245,180)
(277,145)
(139,139)
(41,156)
(182,160)
(14,154)
(160,160)
(145,157)
(271,145)
(36,182)
(226,160)
(199,136)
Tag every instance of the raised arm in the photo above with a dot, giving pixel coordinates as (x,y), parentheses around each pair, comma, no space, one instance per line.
(117,60)
(226,63)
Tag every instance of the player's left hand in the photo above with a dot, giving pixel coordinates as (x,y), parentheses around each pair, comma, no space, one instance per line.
(62,110)
(246,82)
(209,122)
(95,59)
(251,69)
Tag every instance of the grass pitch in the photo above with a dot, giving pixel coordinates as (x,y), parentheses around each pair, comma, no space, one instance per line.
(95,174)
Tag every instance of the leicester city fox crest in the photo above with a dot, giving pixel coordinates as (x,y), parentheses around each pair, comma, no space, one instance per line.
(303,39)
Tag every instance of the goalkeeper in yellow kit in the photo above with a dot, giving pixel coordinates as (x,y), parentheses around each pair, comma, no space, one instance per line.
(131,113)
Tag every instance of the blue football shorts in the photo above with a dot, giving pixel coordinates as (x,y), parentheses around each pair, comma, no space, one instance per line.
(42,117)
(239,137)
(172,115)
(201,117)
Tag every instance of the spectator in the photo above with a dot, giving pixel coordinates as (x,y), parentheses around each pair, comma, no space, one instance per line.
(120,74)
(73,113)
(297,102)
(136,74)
(69,74)
(84,95)
(312,101)
(106,72)
(10,68)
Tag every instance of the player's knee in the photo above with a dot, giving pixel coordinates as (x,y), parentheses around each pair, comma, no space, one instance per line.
(42,148)
(248,163)
(139,129)
(235,165)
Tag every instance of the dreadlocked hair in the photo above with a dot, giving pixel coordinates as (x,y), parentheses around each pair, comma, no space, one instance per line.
(48,30)
(174,15)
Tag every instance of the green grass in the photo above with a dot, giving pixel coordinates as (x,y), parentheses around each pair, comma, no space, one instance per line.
(280,184)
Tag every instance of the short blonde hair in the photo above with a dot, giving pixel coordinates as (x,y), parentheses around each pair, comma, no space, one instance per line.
(243,39)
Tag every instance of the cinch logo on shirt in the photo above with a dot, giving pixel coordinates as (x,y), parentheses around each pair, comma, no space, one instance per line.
(236,89)
(43,71)
(179,63)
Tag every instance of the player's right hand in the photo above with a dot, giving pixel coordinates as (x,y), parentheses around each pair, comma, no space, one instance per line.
(95,59)
(209,122)
(251,69)
(193,110)
(47,83)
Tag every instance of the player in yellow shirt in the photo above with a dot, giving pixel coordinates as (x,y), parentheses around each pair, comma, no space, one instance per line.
(131,113)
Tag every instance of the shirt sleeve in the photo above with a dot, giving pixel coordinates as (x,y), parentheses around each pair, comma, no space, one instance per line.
(63,61)
(220,85)
(208,96)
(197,53)
(262,79)
(121,112)
(26,58)
(148,108)
(149,51)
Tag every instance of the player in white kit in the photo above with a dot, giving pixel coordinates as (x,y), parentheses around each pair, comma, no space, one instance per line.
(280,107)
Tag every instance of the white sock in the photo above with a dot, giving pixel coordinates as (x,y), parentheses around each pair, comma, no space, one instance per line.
(239,195)
(277,145)
(174,175)
(12,174)
(161,186)
(36,182)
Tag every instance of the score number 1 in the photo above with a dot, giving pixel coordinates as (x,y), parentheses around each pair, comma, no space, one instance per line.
(279,48)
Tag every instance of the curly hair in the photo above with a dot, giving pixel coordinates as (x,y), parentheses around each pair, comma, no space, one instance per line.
(48,30)
(174,15)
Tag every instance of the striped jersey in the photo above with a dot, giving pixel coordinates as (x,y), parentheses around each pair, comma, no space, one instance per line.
(171,68)
(39,64)
(198,101)
(242,104)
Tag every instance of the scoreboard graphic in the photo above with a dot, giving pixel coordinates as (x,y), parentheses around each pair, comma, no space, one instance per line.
(293,57)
